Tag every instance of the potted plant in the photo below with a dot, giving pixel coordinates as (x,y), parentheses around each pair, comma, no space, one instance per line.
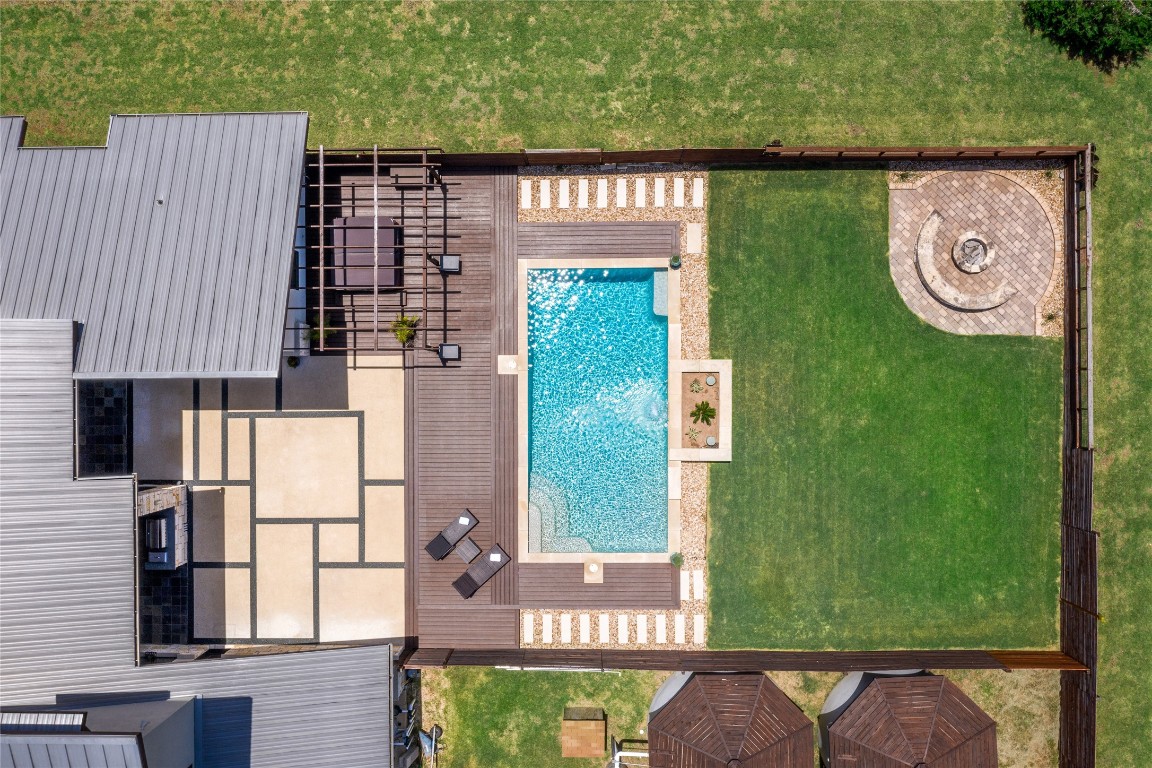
(404,329)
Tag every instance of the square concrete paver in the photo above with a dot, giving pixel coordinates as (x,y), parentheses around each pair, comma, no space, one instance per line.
(251,394)
(307,467)
(376,387)
(384,524)
(361,603)
(223,603)
(239,449)
(339,543)
(221,524)
(284,588)
(162,429)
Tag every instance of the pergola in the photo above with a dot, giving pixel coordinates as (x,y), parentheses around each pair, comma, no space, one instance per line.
(723,720)
(377,224)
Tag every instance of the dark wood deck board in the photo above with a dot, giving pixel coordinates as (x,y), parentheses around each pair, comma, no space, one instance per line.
(620,239)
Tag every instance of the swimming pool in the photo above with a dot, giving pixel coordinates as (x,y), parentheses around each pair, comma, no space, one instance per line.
(597,410)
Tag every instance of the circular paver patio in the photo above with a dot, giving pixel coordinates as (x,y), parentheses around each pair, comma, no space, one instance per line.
(985,247)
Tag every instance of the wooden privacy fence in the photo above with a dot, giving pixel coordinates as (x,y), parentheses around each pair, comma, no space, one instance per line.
(1079,606)
(736,661)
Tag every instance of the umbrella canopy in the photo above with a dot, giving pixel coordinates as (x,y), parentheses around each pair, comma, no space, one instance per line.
(913,722)
(729,721)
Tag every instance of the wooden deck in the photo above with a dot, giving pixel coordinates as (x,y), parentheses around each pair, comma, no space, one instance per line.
(461,427)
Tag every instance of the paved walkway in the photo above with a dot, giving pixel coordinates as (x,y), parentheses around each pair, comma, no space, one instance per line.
(998,211)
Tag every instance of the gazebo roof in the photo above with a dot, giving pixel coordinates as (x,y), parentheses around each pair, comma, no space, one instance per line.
(729,721)
(913,721)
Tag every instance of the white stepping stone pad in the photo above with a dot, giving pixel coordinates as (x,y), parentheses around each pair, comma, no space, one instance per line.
(661,629)
(604,628)
(698,629)
(698,192)
(565,627)
(546,630)
(642,629)
(659,192)
(585,628)
(602,193)
(695,238)
(525,193)
(621,193)
(545,193)
(685,585)
(641,192)
(582,193)
(563,193)
(698,584)
(678,192)
(529,629)
(679,629)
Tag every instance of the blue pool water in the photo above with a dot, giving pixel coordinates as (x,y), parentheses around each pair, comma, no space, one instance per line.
(597,410)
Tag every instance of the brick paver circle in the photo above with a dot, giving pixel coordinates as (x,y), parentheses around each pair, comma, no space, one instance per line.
(973,205)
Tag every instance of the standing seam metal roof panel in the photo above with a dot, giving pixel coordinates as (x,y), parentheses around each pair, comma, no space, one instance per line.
(194,287)
(67,615)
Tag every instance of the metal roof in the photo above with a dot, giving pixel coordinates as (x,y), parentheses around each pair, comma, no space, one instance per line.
(70,750)
(172,245)
(67,598)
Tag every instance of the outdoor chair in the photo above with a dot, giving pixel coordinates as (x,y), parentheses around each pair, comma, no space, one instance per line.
(481,571)
(448,538)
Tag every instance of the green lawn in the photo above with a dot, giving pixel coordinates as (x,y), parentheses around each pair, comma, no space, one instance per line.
(892,485)
(494,717)
(471,76)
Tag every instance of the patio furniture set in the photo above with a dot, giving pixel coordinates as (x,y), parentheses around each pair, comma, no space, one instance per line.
(455,537)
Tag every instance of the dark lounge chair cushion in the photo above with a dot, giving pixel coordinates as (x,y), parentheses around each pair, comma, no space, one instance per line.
(481,571)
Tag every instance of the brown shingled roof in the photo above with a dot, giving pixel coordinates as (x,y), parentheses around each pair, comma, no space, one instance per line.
(913,721)
(730,721)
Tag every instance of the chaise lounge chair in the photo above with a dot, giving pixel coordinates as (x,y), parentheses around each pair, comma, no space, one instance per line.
(448,538)
(481,571)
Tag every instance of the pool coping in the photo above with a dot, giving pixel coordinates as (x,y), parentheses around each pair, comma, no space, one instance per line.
(674,404)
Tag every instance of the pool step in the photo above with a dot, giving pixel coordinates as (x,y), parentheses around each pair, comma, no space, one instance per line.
(660,293)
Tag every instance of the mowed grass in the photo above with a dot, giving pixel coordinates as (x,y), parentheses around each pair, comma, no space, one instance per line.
(892,485)
(494,717)
(640,74)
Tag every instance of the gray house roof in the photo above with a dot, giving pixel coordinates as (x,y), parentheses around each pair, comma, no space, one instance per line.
(171,246)
(67,598)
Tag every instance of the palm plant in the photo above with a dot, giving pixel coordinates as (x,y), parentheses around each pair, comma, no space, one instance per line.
(703,412)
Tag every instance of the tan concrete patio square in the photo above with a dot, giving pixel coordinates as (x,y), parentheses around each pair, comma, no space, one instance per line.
(251,394)
(317,384)
(339,543)
(239,449)
(361,603)
(223,603)
(384,523)
(162,429)
(221,524)
(307,467)
(284,588)
(211,444)
(379,392)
